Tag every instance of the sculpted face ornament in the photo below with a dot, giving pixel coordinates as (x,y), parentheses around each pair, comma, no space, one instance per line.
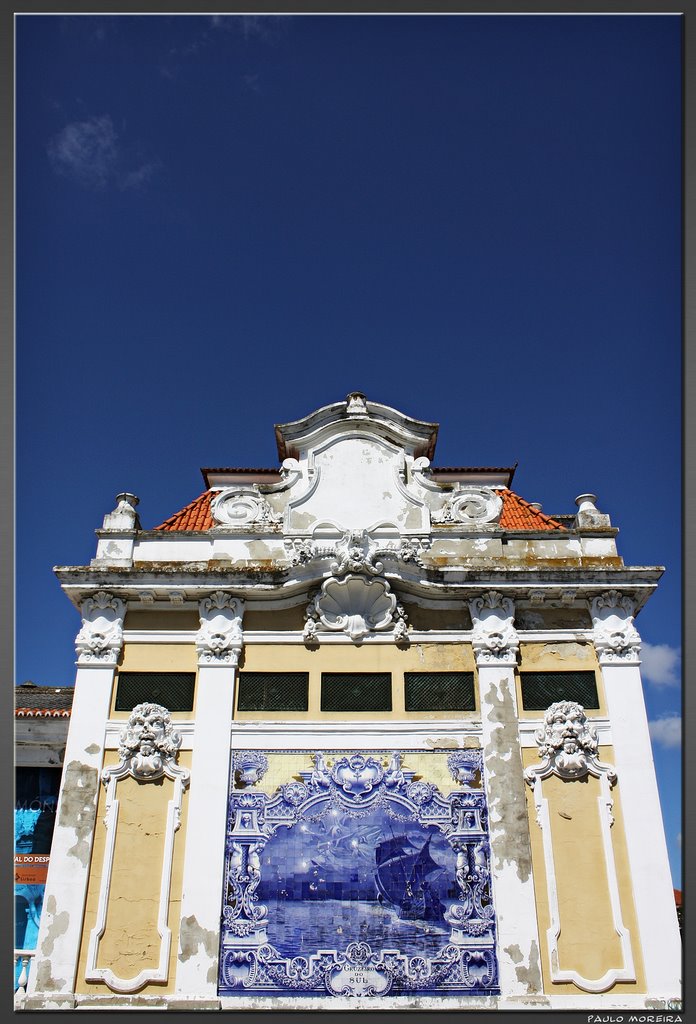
(148,741)
(568,745)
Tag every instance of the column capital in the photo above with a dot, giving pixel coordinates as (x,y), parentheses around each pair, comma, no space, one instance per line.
(219,640)
(616,639)
(494,636)
(100,639)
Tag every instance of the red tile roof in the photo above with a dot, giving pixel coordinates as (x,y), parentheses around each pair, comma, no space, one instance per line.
(42,713)
(517,514)
(32,701)
(195,516)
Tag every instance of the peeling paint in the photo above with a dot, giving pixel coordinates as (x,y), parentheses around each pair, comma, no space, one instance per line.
(78,806)
(530,974)
(93,748)
(192,936)
(45,982)
(58,926)
(444,742)
(566,651)
(505,784)
(515,953)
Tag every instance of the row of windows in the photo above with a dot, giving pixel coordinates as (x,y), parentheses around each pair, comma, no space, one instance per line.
(353,691)
(356,691)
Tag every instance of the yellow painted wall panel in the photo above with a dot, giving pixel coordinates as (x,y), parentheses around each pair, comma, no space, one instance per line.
(131,941)
(588,942)
(344,658)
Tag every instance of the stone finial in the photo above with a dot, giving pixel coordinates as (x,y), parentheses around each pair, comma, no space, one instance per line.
(588,515)
(124,516)
(356,404)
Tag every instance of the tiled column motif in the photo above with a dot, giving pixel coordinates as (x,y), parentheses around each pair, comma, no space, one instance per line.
(98,645)
(495,646)
(219,642)
(618,646)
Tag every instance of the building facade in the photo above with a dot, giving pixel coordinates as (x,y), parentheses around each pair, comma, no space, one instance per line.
(42,714)
(358,732)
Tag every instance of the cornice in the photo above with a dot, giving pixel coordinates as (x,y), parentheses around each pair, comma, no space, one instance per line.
(184,585)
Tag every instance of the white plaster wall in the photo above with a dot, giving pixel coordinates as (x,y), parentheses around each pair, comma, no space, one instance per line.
(645,837)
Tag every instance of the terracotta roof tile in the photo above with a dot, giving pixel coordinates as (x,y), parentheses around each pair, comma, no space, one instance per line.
(517,514)
(42,713)
(195,516)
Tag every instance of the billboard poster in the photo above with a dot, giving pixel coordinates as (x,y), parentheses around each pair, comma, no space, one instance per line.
(36,798)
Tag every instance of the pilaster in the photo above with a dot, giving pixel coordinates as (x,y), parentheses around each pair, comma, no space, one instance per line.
(496,645)
(218,642)
(98,644)
(618,647)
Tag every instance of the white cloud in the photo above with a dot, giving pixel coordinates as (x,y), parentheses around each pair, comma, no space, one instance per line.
(86,151)
(666,730)
(138,177)
(90,153)
(660,664)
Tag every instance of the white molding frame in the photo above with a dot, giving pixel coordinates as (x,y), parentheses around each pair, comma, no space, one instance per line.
(303,734)
(605,804)
(418,726)
(180,778)
(188,636)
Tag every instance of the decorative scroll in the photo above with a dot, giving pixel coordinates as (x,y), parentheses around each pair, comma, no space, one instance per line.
(148,749)
(377,845)
(243,507)
(568,747)
(470,506)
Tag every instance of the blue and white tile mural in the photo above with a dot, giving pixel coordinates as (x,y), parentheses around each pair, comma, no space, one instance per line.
(357,877)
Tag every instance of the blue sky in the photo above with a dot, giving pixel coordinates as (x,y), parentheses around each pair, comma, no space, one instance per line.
(226,222)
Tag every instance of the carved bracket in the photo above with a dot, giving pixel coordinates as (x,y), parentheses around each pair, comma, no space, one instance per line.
(494,637)
(220,639)
(615,636)
(101,636)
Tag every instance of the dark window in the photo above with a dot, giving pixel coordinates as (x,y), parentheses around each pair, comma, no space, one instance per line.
(273,691)
(356,691)
(439,691)
(174,690)
(541,689)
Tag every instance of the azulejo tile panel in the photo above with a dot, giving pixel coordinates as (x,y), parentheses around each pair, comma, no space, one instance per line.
(358,877)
